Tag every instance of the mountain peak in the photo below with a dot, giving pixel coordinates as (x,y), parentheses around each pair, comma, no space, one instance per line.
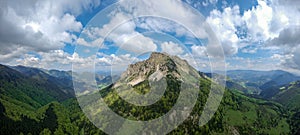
(157,61)
(158,55)
(161,64)
(140,71)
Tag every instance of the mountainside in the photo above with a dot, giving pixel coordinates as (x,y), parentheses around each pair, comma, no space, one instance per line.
(62,80)
(289,95)
(52,78)
(269,88)
(237,112)
(34,88)
(260,77)
(231,84)
(32,102)
(261,82)
(157,67)
(29,105)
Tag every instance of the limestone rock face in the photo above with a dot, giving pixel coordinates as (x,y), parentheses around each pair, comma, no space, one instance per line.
(157,66)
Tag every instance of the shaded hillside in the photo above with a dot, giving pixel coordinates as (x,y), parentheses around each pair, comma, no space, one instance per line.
(237,112)
(261,82)
(288,95)
(234,85)
(29,105)
(54,79)
(36,90)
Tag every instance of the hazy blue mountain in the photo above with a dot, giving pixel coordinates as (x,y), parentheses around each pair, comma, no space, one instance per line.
(259,81)
(31,102)
(60,74)
(60,79)
(34,101)
(33,86)
(261,77)
(237,112)
(289,95)
(234,85)
(269,89)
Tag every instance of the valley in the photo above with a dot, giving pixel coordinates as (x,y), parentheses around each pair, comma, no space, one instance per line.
(38,101)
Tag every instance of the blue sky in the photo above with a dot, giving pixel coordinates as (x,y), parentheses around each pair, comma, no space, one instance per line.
(253,34)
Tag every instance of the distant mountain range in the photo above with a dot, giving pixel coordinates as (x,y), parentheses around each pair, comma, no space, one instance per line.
(288,95)
(39,101)
(261,82)
(33,86)
(237,113)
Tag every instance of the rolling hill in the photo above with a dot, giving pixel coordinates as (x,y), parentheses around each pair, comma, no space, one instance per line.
(261,82)
(237,112)
(289,95)
(33,101)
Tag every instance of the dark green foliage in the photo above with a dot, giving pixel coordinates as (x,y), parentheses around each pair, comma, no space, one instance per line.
(295,123)
(261,81)
(28,105)
(50,119)
(155,110)
(289,96)
(33,91)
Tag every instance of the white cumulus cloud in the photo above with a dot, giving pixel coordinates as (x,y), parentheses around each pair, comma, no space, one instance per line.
(172,48)
(39,25)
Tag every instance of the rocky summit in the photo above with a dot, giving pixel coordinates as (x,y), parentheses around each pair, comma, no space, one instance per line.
(157,66)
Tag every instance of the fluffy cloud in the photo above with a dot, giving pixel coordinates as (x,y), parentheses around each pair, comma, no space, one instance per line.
(199,51)
(138,44)
(267,20)
(58,59)
(39,25)
(55,59)
(288,33)
(249,50)
(127,38)
(258,21)
(262,63)
(94,43)
(171,48)
(15,52)
(29,60)
(123,36)
(237,30)
(292,59)
(115,62)
(163,25)
(224,25)
(288,37)
(173,10)
(272,26)
(207,2)
(43,27)
(296,57)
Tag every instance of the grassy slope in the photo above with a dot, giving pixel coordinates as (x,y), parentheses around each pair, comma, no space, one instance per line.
(254,116)
(248,117)
(28,109)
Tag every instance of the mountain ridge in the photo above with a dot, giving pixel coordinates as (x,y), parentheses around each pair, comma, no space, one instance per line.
(158,64)
(236,113)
